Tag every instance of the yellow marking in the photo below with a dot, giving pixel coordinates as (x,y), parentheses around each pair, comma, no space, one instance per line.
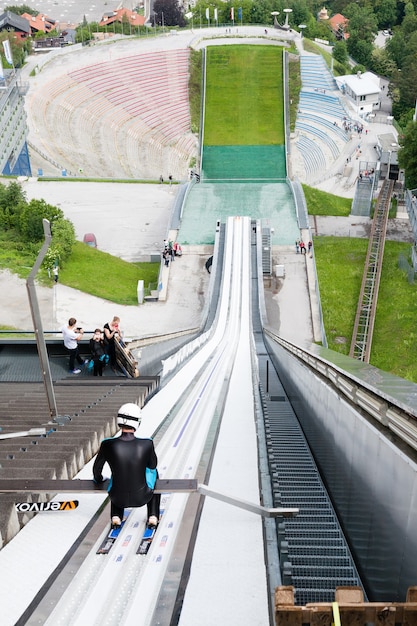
(336,614)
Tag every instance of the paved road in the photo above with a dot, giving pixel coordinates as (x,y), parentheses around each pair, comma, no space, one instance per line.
(129,220)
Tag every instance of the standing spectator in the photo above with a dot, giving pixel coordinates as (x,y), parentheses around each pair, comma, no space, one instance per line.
(166,255)
(72,336)
(161,179)
(171,250)
(297,246)
(310,245)
(302,247)
(98,352)
(55,271)
(110,331)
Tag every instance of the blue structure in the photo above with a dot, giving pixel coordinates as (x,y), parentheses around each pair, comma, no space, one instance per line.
(14,155)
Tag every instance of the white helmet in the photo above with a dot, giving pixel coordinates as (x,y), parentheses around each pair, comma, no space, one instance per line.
(129,415)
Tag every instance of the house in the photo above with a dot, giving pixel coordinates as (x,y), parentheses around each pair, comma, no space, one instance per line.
(15,23)
(117,16)
(362,90)
(338,24)
(39,23)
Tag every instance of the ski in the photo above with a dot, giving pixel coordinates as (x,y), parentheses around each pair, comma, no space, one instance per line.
(110,539)
(145,542)
(37,507)
(149,532)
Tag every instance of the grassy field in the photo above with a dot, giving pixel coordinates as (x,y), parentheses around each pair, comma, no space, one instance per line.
(122,277)
(323,203)
(84,271)
(244,96)
(340,264)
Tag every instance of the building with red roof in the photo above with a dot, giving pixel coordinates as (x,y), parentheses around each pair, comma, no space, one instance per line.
(338,25)
(39,23)
(134,18)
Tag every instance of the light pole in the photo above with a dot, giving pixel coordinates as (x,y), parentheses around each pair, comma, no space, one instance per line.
(287,13)
(302,27)
(275,13)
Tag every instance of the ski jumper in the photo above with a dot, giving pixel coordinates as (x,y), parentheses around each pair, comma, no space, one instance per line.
(133,464)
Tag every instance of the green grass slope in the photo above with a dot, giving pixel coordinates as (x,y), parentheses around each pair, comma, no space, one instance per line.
(244,103)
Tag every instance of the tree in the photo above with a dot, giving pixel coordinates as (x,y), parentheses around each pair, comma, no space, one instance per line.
(260,12)
(362,28)
(397,48)
(362,22)
(19,48)
(360,50)
(381,62)
(169,13)
(11,196)
(29,216)
(63,238)
(340,52)
(386,13)
(19,10)
(407,155)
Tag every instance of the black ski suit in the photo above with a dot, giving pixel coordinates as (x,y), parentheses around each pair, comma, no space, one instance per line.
(133,464)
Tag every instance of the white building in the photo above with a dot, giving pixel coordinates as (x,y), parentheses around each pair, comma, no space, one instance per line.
(362,90)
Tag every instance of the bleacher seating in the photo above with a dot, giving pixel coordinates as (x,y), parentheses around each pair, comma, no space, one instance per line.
(321,135)
(107,111)
(315,73)
(313,157)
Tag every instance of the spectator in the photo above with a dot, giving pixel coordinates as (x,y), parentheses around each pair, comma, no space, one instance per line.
(110,331)
(171,250)
(98,352)
(166,255)
(72,336)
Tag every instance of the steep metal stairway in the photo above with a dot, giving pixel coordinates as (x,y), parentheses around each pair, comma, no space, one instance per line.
(266,251)
(368,298)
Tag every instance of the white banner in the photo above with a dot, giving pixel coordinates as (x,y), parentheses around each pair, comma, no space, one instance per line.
(215,14)
(8,52)
(207,14)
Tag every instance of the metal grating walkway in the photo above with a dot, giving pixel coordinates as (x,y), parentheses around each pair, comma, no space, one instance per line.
(314,555)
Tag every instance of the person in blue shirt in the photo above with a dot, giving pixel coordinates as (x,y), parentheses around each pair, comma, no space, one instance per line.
(133,464)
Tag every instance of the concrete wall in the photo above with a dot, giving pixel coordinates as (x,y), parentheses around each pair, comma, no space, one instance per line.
(372,483)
